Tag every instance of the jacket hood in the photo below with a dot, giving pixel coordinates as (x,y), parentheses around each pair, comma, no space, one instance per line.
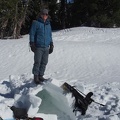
(41,20)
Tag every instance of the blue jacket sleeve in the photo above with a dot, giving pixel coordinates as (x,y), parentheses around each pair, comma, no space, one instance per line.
(33,31)
(51,35)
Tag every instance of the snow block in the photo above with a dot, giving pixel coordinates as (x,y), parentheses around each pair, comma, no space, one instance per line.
(55,102)
(5,112)
(29,102)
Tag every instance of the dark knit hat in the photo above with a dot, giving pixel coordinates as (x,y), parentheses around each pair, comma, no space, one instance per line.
(44,11)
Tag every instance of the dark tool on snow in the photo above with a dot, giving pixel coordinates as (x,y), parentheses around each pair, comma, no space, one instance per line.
(91,98)
(81,101)
(19,113)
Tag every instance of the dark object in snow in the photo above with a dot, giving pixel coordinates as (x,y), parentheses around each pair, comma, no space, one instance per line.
(1,118)
(35,118)
(81,102)
(19,113)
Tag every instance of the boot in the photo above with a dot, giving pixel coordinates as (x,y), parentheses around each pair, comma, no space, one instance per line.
(36,79)
(41,78)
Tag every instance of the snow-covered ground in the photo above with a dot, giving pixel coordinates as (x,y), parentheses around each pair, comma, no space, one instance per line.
(88,58)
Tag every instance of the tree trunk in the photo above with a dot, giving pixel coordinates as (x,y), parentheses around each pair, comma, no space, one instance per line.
(19,26)
(3,27)
(19,21)
(14,31)
(15,22)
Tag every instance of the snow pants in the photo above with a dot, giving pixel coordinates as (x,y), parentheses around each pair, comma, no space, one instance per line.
(40,60)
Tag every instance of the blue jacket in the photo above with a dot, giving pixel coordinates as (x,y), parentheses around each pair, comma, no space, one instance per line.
(41,33)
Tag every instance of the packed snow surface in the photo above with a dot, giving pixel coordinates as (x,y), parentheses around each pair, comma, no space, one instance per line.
(88,58)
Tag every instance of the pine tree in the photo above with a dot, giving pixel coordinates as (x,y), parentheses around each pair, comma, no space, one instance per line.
(63,12)
(5,14)
(14,13)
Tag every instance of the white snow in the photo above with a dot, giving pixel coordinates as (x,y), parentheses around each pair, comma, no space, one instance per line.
(88,58)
